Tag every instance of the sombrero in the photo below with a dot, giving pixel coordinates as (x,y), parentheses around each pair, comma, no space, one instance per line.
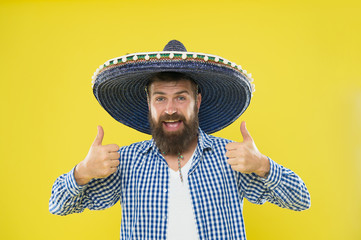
(119,85)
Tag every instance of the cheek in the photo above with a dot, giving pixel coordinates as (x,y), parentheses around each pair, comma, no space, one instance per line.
(153,113)
(190,108)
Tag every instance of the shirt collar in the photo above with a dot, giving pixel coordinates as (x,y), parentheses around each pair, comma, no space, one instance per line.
(204,140)
(147,145)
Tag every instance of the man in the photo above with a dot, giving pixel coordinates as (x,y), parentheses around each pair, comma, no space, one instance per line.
(184,183)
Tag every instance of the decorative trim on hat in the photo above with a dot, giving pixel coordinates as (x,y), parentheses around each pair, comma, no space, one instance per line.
(170,56)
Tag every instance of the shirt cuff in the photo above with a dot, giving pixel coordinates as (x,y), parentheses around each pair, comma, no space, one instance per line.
(274,176)
(71,184)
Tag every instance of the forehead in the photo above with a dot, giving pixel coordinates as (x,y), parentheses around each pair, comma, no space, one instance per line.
(170,86)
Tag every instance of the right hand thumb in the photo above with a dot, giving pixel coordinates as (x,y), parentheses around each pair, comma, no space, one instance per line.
(99,138)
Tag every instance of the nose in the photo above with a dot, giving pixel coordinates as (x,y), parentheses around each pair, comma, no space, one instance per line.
(170,108)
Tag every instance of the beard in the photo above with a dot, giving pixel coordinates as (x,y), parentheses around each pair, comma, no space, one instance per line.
(177,142)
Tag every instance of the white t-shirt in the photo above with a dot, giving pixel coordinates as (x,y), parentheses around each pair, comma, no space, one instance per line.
(181,220)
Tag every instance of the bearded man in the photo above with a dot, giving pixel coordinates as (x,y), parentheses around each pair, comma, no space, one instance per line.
(183,183)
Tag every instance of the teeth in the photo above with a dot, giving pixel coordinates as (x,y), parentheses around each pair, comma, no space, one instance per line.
(171,121)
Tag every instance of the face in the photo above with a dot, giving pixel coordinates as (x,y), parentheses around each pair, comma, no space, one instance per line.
(173,114)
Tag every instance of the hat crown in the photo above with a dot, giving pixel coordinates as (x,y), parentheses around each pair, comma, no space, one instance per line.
(175,45)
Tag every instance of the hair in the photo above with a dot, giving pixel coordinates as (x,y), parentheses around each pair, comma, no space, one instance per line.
(170,77)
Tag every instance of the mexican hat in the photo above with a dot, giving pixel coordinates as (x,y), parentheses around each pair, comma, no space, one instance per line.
(119,85)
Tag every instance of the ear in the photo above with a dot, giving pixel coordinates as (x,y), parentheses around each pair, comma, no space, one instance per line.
(148,102)
(199,99)
(148,99)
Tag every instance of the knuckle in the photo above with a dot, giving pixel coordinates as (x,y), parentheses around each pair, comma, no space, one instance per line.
(111,171)
(103,150)
(230,145)
(240,164)
(103,174)
(106,165)
(241,155)
(108,172)
(104,158)
(239,169)
(114,147)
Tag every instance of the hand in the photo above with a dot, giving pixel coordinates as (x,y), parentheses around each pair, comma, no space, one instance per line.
(101,161)
(244,156)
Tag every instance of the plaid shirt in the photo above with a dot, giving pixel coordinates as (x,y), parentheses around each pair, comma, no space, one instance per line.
(141,184)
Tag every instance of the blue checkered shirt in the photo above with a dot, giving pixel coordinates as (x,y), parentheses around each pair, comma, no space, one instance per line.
(141,184)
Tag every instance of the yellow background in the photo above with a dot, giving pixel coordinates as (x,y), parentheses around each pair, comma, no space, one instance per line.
(305,114)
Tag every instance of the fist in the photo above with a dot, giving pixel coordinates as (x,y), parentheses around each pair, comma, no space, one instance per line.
(244,156)
(101,161)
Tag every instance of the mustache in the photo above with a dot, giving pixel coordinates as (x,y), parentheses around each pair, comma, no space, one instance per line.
(173,117)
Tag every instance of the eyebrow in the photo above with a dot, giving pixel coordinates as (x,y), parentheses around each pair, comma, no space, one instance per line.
(177,93)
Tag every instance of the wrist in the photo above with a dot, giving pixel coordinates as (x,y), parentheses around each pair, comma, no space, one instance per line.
(265,167)
(79,174)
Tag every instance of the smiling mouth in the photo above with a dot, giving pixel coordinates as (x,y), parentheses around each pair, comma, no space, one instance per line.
(172,124)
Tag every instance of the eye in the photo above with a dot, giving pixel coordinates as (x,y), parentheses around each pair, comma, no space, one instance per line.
(181,98)
(159,99)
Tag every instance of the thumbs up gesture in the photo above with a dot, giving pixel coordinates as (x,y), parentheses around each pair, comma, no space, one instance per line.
(101,161)
(244,156)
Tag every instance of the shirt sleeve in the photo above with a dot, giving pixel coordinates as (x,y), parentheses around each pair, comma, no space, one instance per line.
(68,197)
(281,187)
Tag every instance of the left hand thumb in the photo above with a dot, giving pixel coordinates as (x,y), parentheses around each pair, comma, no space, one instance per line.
(245,134)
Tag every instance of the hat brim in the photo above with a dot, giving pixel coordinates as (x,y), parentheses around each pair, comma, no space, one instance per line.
(120,89)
